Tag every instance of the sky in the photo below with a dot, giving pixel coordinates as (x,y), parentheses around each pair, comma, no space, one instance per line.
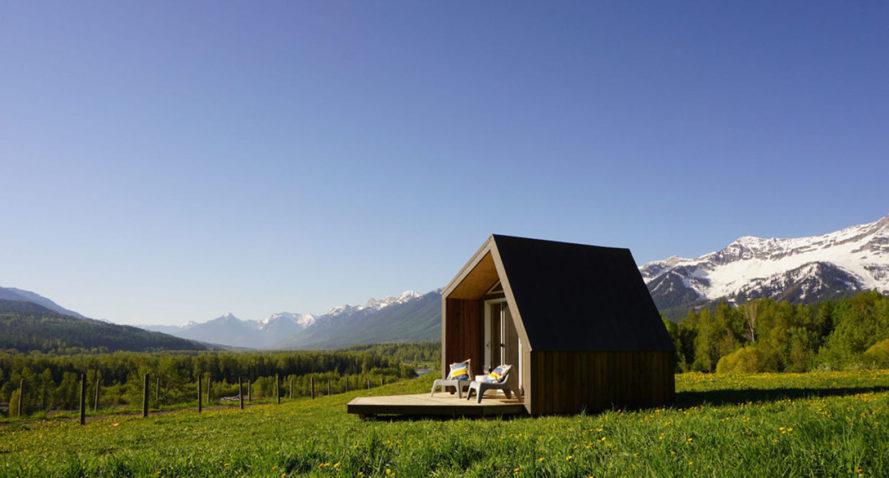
(162,162)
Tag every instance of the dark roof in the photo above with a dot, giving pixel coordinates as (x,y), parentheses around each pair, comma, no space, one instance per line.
(579,297)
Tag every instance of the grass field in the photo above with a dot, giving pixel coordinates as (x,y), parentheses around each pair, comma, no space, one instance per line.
(816,424)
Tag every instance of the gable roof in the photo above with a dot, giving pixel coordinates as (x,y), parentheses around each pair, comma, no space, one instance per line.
(571,297)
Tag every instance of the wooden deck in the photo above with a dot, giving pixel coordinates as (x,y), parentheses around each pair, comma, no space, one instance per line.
(441,405)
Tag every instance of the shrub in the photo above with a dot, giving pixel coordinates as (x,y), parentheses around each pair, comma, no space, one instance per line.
(743,360)
(878,354)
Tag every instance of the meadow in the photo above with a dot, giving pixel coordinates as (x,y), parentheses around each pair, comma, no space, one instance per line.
(810,424)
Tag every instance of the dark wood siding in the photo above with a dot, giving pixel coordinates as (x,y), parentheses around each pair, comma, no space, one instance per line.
(568,382)
(464,333)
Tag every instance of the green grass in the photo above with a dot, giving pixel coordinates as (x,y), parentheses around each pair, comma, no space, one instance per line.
(817,424)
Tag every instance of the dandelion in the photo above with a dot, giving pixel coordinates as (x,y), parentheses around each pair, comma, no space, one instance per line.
(540,460)
(569,458)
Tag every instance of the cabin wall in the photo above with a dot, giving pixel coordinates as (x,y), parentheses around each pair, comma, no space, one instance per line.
(569,382)
(463,333)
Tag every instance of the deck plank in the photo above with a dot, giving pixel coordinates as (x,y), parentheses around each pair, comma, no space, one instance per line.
(440,405)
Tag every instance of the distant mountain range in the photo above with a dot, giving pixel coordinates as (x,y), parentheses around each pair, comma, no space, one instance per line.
(402,318)
(805,269)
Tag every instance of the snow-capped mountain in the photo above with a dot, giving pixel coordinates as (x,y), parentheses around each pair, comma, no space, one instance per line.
(804,269)
(338,326)
(375,304)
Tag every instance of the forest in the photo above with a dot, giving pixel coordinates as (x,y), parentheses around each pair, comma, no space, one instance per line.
(764,335)
(52,382)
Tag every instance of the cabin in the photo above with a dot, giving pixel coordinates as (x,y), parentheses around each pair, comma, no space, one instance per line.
(576,322)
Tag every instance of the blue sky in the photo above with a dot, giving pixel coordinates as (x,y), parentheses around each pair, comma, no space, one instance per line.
(170,161)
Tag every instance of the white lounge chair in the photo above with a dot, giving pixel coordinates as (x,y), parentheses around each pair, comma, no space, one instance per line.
(483,383)
(457,383)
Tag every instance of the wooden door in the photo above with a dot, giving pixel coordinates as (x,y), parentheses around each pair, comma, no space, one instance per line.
(511,348)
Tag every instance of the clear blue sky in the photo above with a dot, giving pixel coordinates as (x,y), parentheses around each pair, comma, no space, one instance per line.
(170,161)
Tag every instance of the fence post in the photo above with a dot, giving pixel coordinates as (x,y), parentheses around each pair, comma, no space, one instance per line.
(241,393)
(209,384)
(200,393)
(18,412)
(96,397)
(312,382)
(290,387)
(157,392)
(145,397)
(381,381)
(367,382)
(83,398)
(249,390)
(277,386)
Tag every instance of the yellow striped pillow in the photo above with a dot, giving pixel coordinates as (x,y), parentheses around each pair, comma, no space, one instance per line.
(459,371)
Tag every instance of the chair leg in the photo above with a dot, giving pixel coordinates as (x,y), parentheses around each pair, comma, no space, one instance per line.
(481,393)
(507,392)
(432,392)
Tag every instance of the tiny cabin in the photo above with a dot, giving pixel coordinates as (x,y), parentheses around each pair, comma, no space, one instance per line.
(575,321)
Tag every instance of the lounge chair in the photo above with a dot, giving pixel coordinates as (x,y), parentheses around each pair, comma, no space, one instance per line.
(496,380)
(458,377)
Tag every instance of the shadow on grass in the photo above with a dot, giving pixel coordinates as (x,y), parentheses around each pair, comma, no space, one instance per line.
(755,395)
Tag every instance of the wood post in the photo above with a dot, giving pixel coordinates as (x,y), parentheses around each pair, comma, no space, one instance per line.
(381,381)
(83,399)
(157,392)
(145,396)
(209,384)
(367,382)
(200,393)
(21,407)
(241,393)
(277,391)
(249,390)
(312,383)
(290,387)
(96,397)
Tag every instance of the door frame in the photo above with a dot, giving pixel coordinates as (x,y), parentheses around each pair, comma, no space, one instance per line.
(487,337)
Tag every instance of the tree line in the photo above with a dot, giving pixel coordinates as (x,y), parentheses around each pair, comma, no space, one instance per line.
(765,335)
(52,382)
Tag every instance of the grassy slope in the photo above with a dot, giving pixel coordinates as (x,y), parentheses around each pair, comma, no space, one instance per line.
(807,424)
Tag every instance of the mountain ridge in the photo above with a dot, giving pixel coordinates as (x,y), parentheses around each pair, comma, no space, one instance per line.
(800,269)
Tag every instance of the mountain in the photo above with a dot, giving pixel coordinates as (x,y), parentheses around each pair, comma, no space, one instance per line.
(27,326)
(232,331)
(405,317)
(13,294)
(409,317)
(802,270)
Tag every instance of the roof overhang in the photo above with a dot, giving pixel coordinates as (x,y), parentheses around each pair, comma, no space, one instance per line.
(478,275)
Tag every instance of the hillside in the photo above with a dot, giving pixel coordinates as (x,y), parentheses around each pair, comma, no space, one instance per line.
(20,295)
(816,424)
(25,327)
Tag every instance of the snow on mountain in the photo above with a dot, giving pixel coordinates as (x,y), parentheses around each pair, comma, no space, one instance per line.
(281,327)
(799,269)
